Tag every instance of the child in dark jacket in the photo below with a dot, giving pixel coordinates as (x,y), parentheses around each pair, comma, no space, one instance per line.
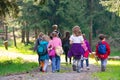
(101,56)
(40,38)
(44,57)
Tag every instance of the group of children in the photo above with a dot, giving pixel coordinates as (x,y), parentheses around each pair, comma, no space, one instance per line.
(79,49)
(46,47)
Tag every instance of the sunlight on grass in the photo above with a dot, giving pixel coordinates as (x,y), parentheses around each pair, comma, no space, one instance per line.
(113,62)
(21,48)
(13,66)
(112,72)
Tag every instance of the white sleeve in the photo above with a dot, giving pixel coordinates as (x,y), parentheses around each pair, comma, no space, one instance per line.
(81,39)
(71,38)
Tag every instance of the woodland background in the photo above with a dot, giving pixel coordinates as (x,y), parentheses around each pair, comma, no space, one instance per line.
(24,19)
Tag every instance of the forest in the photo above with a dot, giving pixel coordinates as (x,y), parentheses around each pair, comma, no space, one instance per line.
(24,19)
(21,21)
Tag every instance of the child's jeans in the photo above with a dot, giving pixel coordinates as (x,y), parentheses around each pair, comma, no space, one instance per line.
(77,65)
(55,63)
(46,62)
(87,62)
(103,64)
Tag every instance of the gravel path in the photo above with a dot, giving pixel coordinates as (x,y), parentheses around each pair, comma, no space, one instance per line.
(36,75)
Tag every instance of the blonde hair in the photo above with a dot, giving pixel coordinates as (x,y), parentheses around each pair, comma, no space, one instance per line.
(55,26)
(76,30)
(46,37)
(40,34)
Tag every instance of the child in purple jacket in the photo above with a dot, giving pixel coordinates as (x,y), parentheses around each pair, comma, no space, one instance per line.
(87,50)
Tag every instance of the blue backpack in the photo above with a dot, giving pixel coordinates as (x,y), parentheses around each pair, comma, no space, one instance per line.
(42,48)
(101,48)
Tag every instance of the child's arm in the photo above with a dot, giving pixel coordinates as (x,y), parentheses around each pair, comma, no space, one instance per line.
(108,49)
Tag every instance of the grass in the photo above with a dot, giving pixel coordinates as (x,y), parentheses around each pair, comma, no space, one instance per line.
(112,72)
(115,52)
(66,67)
(21,47)
(13,66)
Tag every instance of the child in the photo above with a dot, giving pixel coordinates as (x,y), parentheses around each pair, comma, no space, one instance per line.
(36,47)
(51,51)
(87,50)
(76,49)
(44,58)
(66,46)
(102,51)
(56,41)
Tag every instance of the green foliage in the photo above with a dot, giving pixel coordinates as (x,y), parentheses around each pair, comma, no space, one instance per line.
(8,7)
(115,52)
(35,17)
(13,66)
(112,72)
(21,47)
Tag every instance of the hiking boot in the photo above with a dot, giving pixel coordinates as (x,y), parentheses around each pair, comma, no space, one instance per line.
(79,70)
(103,69)
(74,67)
(40,68)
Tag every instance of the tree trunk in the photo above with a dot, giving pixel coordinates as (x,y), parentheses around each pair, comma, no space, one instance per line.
(27,36)
(6,32)
(36,34)
(90,5)
(14,37)
(23,36)
(90,33)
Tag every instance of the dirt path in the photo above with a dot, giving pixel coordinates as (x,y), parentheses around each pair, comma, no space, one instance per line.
(36,75)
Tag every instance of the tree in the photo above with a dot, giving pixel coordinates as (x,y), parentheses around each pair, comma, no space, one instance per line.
(8,7)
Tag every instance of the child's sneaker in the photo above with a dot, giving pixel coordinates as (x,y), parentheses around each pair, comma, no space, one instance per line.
(74,67)
(40,68)
(81,69)
(88,68)
(102,68)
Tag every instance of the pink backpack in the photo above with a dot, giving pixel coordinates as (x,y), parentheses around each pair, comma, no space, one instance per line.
(84,46)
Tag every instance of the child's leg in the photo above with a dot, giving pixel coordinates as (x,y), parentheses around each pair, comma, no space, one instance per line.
(42,64)
(82,63)
(87,63)
(103,64)
(79,65)
(45,65)
(58,63)
(66,57)
(74,64)
(53,59)
(70,60)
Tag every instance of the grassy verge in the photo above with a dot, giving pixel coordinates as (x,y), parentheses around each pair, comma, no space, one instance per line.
(21,47)
(112,72)
(115,52)
(13,66)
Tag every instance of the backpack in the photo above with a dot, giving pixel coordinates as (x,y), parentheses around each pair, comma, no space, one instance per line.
(59,50)
(42,48)
(84,46)
(101,48)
